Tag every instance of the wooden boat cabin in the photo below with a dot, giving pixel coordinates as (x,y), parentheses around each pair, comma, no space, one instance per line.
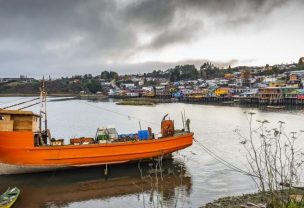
(24,121)
(15,120)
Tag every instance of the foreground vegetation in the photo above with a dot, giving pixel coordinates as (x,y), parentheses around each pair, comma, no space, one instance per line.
(274,163)
(257,200)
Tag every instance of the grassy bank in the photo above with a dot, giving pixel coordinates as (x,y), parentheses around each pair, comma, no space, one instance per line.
(92,97)
(136,102)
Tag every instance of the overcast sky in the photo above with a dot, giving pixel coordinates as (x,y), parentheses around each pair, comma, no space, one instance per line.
(67,37)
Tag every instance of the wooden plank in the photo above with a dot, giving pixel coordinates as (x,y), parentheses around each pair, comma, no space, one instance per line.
(34,126)
(20,125)
(22,117)
(17,112)
(6,125)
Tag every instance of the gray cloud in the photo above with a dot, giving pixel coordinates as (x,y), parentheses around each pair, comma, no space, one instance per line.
(171,36)
(151,14)
(61,37)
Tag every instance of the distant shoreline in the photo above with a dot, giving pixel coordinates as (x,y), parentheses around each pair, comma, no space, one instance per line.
(142,101)
(53,95)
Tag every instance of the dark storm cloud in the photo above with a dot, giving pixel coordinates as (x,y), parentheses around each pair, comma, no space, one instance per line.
(67,36)
(162,14)
(41,22)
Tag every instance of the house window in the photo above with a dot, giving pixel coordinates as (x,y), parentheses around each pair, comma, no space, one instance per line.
(1,117)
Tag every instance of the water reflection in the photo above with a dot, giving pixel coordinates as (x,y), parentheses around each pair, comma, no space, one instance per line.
(140,181)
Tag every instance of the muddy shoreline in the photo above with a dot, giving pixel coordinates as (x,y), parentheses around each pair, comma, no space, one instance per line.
(238,201)
(258,199)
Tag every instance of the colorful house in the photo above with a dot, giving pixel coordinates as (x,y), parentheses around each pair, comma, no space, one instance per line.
(295,81)
(229,76)
(198,93)
(293,77)
(296,94)
(271,95)
(223,92)
(252,93)
(277,84)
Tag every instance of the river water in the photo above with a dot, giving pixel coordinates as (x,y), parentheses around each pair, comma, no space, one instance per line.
(190,179)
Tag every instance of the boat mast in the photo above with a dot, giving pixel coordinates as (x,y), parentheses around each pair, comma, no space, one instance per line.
(43,112)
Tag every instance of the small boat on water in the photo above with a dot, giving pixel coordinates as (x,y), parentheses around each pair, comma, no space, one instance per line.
(8,198)
(26,144)
(275,106)
(228,102)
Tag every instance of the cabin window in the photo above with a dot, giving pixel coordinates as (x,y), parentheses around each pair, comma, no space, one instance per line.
(1,117)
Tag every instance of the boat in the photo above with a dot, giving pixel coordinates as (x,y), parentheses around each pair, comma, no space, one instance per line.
(228,102)
(275,106)
(8,198)
(26,144)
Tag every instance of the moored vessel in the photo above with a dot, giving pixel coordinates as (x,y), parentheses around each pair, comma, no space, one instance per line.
(275,106)
(8,198)
(26,144)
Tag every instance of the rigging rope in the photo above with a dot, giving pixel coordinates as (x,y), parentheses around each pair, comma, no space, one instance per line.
(222,161)
(121,114)
(29,105)
(14,101)
(212,154)
(20,103)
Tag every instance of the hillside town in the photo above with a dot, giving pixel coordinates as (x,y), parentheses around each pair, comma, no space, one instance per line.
(272,85)
(279,84)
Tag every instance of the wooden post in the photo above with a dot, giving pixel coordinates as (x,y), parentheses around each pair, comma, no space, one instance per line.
(106,170)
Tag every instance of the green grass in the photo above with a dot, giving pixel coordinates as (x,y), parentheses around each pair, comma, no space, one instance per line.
(135,102)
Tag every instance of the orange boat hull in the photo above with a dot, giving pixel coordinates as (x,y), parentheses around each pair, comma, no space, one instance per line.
(17,151)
